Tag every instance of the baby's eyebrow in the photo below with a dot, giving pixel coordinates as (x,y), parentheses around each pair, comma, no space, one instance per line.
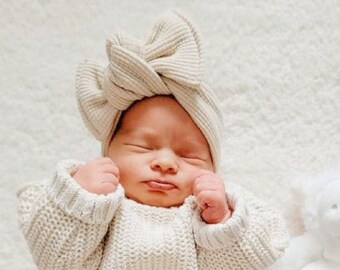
(193,147)
(192,144)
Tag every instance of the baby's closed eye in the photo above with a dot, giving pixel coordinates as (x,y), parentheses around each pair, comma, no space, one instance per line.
(192,155)
(139,146)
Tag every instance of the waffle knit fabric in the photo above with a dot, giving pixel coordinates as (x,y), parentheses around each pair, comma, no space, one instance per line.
(168,63)
(68,228)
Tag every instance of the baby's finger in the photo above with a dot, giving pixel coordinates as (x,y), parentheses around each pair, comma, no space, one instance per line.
(203,184)
(108,178)
(214,215)
(106,188)
(198,183)
(201,202)
(207,198)
(207,182)
(109,168)
(104,160)
(105,184)
(203,173)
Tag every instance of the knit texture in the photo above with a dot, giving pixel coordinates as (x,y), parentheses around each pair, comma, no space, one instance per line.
(168,63)
(68,228)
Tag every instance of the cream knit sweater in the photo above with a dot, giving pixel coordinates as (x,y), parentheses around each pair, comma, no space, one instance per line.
(68,228)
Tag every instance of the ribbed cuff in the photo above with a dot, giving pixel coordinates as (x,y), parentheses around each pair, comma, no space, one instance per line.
(69,196)
(222,235)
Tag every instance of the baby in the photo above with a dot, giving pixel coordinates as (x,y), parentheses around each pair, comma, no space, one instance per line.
(160,157)
(155,199)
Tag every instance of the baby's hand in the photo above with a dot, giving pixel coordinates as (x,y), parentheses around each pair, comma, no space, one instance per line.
(211,198)
(100,176)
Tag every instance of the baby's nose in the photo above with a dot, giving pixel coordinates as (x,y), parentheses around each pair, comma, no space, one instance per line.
(165,163)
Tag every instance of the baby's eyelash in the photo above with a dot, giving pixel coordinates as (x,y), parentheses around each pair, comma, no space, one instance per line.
(139,146)
(192,157)
(189,157)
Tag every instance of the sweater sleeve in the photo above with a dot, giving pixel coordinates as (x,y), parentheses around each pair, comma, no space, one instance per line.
(64,225)
(254,237)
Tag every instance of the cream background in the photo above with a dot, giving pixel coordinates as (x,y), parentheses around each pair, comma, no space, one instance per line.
(274,64)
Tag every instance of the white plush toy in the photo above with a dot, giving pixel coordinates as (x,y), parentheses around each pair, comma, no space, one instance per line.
(319,247)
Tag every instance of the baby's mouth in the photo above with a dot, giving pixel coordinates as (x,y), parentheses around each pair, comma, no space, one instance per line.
(159,185)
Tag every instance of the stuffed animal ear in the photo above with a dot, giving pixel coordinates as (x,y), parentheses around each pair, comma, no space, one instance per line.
(305,190)
(310,189)
(329,210)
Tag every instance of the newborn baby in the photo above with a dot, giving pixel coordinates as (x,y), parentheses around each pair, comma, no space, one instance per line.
(154,199)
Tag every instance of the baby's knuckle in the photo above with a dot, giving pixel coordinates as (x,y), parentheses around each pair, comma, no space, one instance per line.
(200,197)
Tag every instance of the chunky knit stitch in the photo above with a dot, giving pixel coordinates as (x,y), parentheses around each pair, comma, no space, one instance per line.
(69,228)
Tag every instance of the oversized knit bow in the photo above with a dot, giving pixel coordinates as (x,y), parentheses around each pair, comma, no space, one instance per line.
(169,63)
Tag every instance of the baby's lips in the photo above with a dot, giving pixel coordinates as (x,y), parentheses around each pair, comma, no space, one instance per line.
(160,185)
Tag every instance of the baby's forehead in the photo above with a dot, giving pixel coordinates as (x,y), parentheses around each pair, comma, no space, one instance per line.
(160,116)
(153,133)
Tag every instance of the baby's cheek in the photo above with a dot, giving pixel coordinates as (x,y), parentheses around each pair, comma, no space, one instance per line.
(191,176)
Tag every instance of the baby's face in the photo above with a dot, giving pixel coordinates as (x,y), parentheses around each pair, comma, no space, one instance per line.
(159,151)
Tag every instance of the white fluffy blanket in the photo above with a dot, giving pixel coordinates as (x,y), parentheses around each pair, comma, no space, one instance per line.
(274,64)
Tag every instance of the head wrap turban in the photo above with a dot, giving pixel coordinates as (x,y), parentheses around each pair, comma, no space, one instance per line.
(168,63)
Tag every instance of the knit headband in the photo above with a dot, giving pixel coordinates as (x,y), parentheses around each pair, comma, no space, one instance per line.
(168,63)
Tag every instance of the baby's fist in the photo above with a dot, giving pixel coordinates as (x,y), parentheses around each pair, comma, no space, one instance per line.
(211,198)
(100,176)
